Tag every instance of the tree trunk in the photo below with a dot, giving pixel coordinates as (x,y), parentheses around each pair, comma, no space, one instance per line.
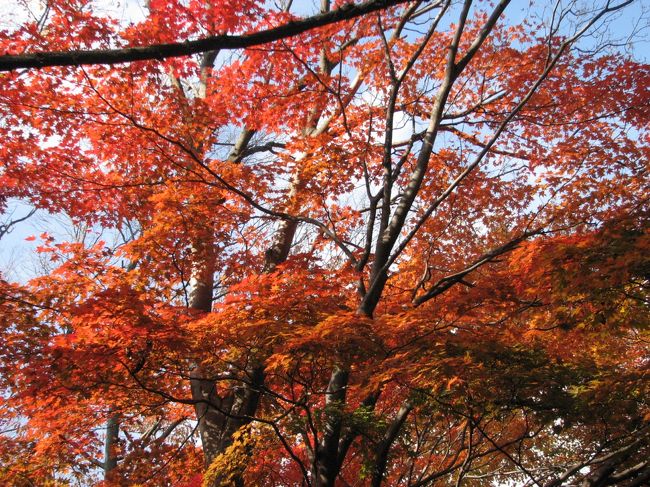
(221,415)
(326,465)
(384,447)
(110,445)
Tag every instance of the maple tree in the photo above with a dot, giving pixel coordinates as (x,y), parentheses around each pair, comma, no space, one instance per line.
(395,243)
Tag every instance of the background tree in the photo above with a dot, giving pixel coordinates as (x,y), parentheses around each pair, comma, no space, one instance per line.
(396,243)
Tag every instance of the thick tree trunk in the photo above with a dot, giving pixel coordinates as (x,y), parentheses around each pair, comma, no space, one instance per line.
(208,403)
(219,415)
(326,459)
(208,416)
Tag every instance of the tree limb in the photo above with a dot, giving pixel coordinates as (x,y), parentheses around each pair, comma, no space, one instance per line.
(187,48)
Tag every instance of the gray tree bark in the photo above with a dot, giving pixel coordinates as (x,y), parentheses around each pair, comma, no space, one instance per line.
(110,445)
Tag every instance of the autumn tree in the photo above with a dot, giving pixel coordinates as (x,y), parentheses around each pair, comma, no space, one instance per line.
(393,243)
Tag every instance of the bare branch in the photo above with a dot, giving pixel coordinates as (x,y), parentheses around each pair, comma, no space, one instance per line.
(448,281)
(179,49)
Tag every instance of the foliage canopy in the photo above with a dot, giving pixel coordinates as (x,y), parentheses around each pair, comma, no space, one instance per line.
(406,245)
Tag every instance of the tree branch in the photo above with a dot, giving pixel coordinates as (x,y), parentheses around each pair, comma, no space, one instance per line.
(448,281)
(179,49)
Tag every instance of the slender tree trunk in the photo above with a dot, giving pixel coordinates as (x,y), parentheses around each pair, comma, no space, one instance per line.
(110,445)
(381,459)
(113,427)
